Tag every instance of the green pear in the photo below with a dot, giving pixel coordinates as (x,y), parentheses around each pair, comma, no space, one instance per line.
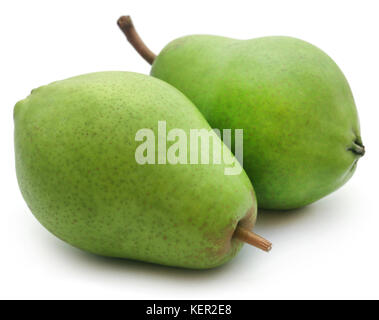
(301,131)
(77,168)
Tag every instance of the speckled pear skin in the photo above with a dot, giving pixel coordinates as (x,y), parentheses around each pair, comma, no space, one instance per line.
(75,160)
(291,99)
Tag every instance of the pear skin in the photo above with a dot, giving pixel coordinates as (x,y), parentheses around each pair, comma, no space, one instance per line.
(75,161)
(302,136)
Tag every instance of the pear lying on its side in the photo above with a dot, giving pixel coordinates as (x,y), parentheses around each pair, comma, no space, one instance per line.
(75,159)
(301,130)
(302,137)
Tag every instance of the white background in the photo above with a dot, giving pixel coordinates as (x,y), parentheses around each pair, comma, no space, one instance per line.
(326,250)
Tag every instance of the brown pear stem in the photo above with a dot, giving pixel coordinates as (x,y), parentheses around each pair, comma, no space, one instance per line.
(250,237)
(127,27)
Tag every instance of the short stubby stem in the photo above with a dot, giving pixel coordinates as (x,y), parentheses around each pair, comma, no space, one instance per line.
(250,237)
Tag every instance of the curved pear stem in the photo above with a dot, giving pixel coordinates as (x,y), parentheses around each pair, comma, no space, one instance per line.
(127,27)
(250,237)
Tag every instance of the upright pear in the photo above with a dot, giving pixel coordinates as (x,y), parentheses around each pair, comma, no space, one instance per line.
(301,131)
(76,145)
